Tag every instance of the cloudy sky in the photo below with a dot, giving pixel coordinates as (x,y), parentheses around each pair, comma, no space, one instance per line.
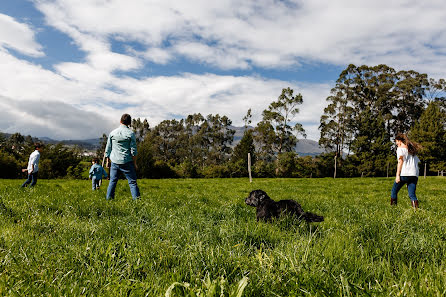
(70,68)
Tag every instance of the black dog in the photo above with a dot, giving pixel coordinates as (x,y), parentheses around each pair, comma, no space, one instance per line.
(268,208)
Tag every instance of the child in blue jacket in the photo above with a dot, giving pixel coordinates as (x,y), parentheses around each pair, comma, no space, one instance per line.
(96,173)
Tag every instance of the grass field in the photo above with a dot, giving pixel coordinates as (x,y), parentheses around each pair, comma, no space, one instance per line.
(198,238)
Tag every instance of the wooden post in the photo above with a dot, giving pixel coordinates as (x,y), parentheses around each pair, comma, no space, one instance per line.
(334,176)
(249,167)
(387,168)
(425,166)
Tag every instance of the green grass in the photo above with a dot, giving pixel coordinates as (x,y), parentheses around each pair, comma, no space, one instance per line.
(198,238)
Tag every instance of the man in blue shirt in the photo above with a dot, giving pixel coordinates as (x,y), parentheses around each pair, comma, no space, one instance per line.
(121,152)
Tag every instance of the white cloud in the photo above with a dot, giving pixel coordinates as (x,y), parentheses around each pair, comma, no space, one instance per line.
(226,34)
(50,118)
(18,36)
(84,106)
(236,35)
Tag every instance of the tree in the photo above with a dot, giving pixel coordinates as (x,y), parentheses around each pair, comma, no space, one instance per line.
(241,151)
(409,104)
(264,138)
(336,132)
(102,144)
(247,118)
(280,114)
(219,136)
(371,145)
(167,141)
(430,132)
(140,128)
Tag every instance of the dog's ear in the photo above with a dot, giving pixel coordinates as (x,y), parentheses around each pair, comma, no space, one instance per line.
(262,195)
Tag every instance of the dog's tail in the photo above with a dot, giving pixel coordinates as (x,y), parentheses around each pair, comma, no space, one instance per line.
(311,217)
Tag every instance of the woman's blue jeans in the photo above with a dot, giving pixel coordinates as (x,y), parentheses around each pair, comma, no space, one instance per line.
(411,182)
(130,173)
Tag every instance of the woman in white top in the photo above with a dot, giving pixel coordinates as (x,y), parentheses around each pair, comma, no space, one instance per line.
(407,170)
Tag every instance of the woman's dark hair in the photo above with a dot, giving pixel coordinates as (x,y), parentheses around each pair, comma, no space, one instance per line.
(412,146)
(96,160)
(37,145)
(126,119)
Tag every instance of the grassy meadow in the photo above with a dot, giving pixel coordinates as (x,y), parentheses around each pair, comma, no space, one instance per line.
(198,238)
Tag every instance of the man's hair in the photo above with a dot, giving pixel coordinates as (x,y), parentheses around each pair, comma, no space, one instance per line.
(96,160)
(37,145)
(126,119)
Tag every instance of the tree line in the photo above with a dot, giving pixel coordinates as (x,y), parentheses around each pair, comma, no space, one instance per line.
(366,108)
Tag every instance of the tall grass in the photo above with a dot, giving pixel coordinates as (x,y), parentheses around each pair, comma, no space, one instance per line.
(198,238)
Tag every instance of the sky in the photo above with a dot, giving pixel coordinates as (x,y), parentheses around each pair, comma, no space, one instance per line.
(71,68)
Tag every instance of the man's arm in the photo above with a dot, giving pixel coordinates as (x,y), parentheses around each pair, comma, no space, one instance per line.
(108,149)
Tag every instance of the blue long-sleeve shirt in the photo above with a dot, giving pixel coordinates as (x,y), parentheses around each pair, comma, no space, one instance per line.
(121,145)
(97,171)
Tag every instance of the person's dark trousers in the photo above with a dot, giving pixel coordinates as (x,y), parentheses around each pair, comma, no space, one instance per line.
(130,173)
(95,183)
(411,182)
(32,178)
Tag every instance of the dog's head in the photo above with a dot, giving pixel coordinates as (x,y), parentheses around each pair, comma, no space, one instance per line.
(256,197)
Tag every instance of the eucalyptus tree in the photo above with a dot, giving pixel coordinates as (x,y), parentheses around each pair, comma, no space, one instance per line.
(197,145)
(430,132)
(409,101)
(264,137)
(140,128)
(220,136)
(244,147)
(335,123)
(280,114)
(166,140)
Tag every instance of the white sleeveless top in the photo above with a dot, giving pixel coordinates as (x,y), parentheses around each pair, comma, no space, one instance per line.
(410,162)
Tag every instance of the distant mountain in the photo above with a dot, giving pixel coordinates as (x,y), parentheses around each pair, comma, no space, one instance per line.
(308,147)
(304,147)
(88,144)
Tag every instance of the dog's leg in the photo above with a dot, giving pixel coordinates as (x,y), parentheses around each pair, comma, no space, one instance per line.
(311,217)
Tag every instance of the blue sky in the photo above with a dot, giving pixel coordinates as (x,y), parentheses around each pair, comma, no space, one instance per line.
(70,68)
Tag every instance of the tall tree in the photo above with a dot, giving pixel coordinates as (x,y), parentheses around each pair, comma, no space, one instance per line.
(430,132)
(335,127)
(244,147)
(140,128)
(219,136)
(280,115)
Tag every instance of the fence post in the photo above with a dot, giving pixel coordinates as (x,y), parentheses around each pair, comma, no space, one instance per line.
(335,167)
(249,167)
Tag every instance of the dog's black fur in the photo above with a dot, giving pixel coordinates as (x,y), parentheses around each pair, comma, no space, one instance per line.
(268,208)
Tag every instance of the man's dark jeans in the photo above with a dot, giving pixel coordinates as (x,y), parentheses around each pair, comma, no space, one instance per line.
(32,178)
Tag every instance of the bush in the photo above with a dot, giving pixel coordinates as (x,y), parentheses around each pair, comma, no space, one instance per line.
(215,171)
(9,166)
(263,169)
(186,170)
